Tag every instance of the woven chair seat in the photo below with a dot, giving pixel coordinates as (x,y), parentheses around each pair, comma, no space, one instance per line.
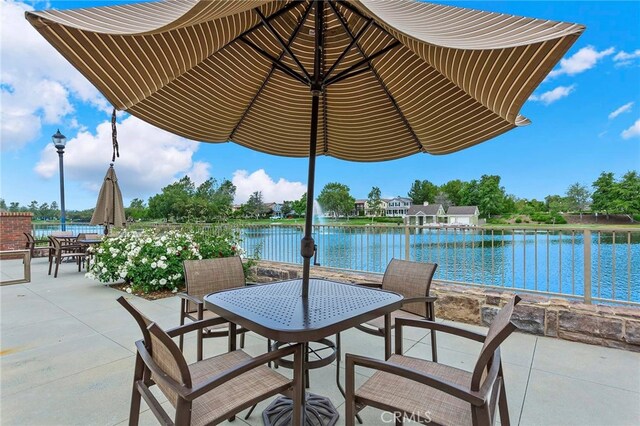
(230,395)
(378,323)
(413,397)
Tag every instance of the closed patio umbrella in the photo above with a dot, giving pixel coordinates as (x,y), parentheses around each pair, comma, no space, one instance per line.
(363,80)
(109,207)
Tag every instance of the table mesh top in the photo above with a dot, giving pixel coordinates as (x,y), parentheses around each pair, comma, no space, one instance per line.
(280,305)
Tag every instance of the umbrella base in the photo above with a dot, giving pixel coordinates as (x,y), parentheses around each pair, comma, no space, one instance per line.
(319,411)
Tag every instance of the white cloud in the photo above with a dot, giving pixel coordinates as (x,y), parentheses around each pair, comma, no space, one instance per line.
(623,58)
(633,131)
(150,158)
(199,172)
(584,59)
(553,95)
(624,108)
(246,184)
(37,85)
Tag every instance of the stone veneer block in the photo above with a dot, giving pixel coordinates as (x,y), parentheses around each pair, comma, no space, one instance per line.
(551,323)
(529,319)
(607,328)
(458,308)
(632,332)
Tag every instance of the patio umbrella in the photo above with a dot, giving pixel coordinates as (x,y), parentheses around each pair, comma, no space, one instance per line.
(109,208)
(364,80)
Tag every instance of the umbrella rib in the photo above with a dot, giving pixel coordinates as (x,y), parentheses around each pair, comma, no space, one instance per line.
(377,76)
(365,61)
(355,11)
(353,41)
(293,36)
(277,63)
(280,12)
(283,45)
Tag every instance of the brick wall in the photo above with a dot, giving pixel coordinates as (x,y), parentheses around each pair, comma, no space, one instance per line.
(13,225)
(612,326)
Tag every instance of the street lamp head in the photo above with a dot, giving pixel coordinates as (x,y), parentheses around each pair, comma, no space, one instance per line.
(59,140)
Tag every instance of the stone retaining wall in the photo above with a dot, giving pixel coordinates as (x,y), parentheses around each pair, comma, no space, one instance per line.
(613,326)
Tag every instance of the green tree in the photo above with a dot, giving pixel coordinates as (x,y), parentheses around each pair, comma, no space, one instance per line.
(173,201)
(374,201)
(556,203)
(136,210)
(578,197)
(604,193)
(3,205)
(443,198)
(14,206)
(44,211)
(469,194)
(421,191)
(453,190)
(300,206)
(254,206)
(287,208)
(33,207)
(335,198)
(628,194)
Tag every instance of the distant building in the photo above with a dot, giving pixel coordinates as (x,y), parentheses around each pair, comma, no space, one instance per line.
(360,206)
(398,206)
(274,210)
(426,214)
(463,215)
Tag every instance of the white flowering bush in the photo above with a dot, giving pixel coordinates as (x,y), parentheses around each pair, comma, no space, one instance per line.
(149,260)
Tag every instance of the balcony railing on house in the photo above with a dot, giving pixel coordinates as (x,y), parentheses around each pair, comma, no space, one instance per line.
(595,265)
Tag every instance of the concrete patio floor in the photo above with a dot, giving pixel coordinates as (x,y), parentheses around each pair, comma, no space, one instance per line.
(67,357)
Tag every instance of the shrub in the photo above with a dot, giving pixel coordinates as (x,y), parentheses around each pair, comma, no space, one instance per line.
(518,220)
(151,260)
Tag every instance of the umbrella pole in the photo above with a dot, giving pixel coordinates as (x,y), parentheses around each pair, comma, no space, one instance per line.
(307,244)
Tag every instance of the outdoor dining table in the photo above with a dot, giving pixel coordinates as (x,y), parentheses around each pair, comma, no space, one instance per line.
(278,312)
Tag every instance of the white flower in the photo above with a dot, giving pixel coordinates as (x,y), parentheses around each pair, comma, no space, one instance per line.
(144,260)
(175,290)
(163,281)
(128,290)
(104,270)
(163,257)
(179,248)
(123,273)
(154,265)
(164,265)
(100,264)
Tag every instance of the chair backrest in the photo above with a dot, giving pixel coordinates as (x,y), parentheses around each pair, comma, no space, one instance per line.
(141,319)
(62,234)
(56,243)
(411,279)
(30,240)
(208,275)
(499,330)
(167,356)
(163,350)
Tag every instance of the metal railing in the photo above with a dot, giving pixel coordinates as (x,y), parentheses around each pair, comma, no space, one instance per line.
(601,265)
(595,265)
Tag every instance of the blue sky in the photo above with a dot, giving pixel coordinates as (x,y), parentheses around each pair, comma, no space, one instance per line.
(586,119)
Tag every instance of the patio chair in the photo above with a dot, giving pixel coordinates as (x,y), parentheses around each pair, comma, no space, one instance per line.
(205,392)
(206,276)
(413,281)
(58,251)
(425,391)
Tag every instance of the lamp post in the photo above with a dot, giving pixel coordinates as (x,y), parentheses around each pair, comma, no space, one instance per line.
(59,141)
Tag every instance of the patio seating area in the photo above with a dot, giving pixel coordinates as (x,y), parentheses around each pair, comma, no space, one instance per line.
(67,357)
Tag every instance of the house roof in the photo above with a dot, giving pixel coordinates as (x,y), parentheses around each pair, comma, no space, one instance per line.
(400,198)
(462,210)
(429,210)
(361,201)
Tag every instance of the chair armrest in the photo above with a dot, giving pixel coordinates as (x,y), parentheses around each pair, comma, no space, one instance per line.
(438,383)
(372,285)
(250,364)
(190,298)
(196,325)
(427,299)
(435,326)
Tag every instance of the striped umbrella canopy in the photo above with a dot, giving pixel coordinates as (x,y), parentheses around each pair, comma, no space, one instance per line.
(109,207)
(361,80)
